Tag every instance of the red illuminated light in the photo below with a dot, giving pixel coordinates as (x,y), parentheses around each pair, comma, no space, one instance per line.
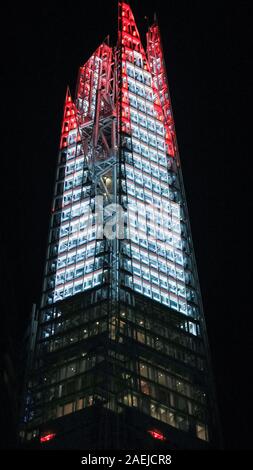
(157,434)
(47,437)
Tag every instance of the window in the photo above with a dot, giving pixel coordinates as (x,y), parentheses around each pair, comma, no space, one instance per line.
(59,411)
(182,423)
(141,106)
(127,400)
(147,79)
(140,337)
(145,387)
(173,304)
(132,101)
(79,404)
(201,431)
(131,86)
(151,124)
(152,140)
(161,378)
(68,408)
(144,370)
(142,121)
(79,272)
(71,370)
(130,71)
(192,328)
(156,294)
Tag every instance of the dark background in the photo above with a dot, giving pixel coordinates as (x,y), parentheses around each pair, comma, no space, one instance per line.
(206,47)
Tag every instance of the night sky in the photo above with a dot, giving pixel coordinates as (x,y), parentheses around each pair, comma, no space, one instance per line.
(206,47)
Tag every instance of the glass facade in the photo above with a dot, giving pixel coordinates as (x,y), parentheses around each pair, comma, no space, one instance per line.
(121,320)
(161,261)
(71,265)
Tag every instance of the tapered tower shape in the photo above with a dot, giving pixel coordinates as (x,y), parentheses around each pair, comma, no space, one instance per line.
(120,357)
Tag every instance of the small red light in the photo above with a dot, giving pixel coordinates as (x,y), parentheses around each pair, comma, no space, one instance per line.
(157,434)
(47,437)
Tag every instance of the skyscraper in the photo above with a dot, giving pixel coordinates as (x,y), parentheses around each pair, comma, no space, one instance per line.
(118,353)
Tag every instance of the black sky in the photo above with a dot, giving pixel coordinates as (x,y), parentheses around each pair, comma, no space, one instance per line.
(206,47)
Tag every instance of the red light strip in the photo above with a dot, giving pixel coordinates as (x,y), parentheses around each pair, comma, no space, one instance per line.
(69,120)
(157,434)
(156,61)
(47,437)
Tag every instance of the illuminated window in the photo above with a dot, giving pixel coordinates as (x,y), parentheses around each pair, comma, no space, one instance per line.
(162,378)
(145,387)
(201,431)
(140,337)
(144,370)
(68,408)
(79,404)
